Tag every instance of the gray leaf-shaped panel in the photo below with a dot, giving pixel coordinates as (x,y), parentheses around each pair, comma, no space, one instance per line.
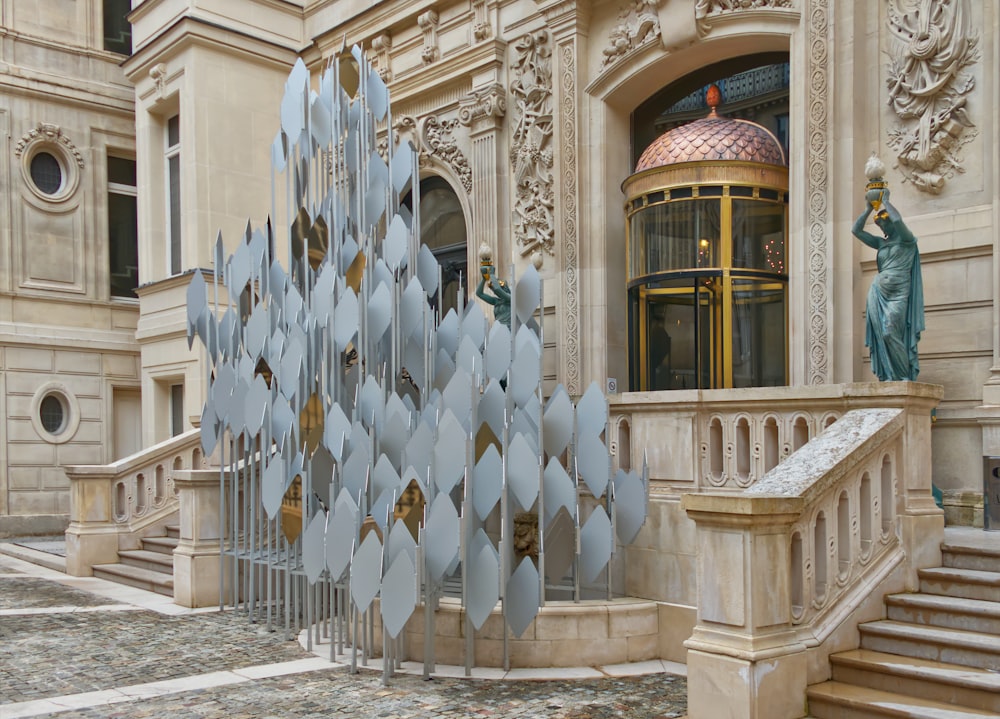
(293,303)
(399,595)
(355,472)
(372,407)
(395,405)
(629,506)
(255,407)
(402,166)
(558,422)
(345,319)
(447,333)
(366,572)
(237,410)
(444,369)
(418,450)
(277,279)
(591,412)
(469,358)
(322,295)
(396,241)
(522,471)
(222,390)
(276,347)
(592,464)
(384,476)
(293,102)
(258,330)
(484,579)
(526,337)
(498,351)
(527,294)
(240,269)
(427,269)
(290,370)
(227,327)
(596,545)
(522,597)
(457,396)
(524,424)
(411,306)
(320,122)
(197,297)
(335,431)
(209,429)
(314,547)
(279,152)
(348,252)
(560,546)
(378,98)
(441,537)
(487,482)
(321,474)
(400,542)
(413,361)
(379,312)
(559,490)
(273,486)
(525,374)
(382,274)
(282,419)
(395,433)
(449,453)
(341,536)
(492,407)
(381,507)
(474,324)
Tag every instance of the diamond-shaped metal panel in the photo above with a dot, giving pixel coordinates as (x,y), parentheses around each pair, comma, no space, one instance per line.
(448,333)
(493,407)
(356,469)
(396,238)
(527,294)
(522,471)
(402,167)
(394,436)
(411,308)
(314,547)
(258,330)
(366,572)
(400,542)
(290,370)
(498,351)
(560,546)
(559,490)
(379,312)
(399,594)
(335,431)
(321,474)
(596,545)
(282,421)
(444,369)
(457,396)
(255,407)
(592,464)
(427,269)
(630,505)
(525,374)
(592,412)
(449,452)
(418,450)
(342,535)
(522,597)
(484,579)
(487,482)
(441,537)
(372,407)
(273,486)
(470,360)
(345,319)
(558,422)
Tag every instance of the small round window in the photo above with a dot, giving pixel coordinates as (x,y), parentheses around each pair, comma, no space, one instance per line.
(46,173)
(52,414)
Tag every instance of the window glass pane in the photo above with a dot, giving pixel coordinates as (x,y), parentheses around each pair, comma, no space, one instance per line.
(117,29)
(123,244)
(174,165)
(174,131)
(674,236)
(52,414)
(758,339)
(176,409)
(46,173)
(759,235)
(121,171)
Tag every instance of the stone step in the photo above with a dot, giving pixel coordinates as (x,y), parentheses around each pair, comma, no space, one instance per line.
(973,615)
(135,577)
(983,558)
(173,530)
(144,559)
(953,646)
(949,683)
(835,700)
(967,583)
(163,545)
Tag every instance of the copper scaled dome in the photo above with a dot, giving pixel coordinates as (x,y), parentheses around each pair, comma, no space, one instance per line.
(713,138)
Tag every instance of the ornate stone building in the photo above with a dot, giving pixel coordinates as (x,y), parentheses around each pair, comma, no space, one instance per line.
(528,117)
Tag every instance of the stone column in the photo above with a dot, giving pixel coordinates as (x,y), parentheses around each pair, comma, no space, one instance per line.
(482,111)
(744,658)
(197,559)
(92,535)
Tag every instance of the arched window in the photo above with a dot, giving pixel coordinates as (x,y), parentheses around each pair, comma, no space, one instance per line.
(443,230)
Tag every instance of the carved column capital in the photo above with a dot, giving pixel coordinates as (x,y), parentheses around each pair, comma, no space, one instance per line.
(483,110)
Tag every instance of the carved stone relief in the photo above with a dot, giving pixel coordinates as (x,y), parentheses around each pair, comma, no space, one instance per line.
(706,10)
(531,144)
(931,48)
(439,142)
(569,172)
(485,103)
(428,23)
(47,132)
(637,25)
(381,44)
(481,28)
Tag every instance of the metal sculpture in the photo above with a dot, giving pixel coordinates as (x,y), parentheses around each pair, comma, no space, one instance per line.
(370,448)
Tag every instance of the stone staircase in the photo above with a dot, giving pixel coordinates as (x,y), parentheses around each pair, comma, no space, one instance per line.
(937,654)
(150,568)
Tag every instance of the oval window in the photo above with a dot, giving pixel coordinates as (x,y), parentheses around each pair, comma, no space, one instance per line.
(46,173)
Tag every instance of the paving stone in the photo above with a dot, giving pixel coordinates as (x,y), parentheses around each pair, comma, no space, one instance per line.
(32,593)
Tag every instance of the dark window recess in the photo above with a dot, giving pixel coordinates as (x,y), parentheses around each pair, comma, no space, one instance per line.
(680,192)
(123,228)
(769,194)
(46,173)
(117,29)
(52,414)
(741,191)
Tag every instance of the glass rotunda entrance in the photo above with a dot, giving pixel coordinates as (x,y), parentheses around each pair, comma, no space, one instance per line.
(707,272)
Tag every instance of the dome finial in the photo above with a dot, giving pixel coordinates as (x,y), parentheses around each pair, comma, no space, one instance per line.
(713,98)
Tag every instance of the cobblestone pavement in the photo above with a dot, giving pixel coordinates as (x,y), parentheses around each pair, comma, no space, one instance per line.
(47,653)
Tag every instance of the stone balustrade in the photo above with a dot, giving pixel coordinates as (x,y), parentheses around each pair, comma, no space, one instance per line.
(789,567)
(112,506)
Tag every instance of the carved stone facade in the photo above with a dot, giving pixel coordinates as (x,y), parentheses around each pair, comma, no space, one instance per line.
(707,10)
(932,49)
(438,141)
(637,25)
(428,23)
(531,154)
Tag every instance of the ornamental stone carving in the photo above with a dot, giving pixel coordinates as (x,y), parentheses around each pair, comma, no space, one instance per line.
(439,142)
(931,49)
(481,28)
(637,25)
(487,103)
(381,44)
(47,132)
(531,144)
(428,23)
(706,10)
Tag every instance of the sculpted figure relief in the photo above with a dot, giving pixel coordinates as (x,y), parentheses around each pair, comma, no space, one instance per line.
(636,25)
(932,48)
(894,312)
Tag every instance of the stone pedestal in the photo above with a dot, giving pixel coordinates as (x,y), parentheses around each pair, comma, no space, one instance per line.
(198,564)
(92,535)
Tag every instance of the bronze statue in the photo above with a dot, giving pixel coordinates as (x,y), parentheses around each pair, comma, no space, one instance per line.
(500,292)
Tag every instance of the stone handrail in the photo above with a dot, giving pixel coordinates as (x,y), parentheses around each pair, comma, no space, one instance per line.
(112,506)
(697,440)
(788,568)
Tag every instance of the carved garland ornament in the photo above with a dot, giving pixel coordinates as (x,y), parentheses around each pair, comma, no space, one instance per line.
(531,146)
(47,132)
(637,25)
(931,48)
(704,10)
(438,141)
